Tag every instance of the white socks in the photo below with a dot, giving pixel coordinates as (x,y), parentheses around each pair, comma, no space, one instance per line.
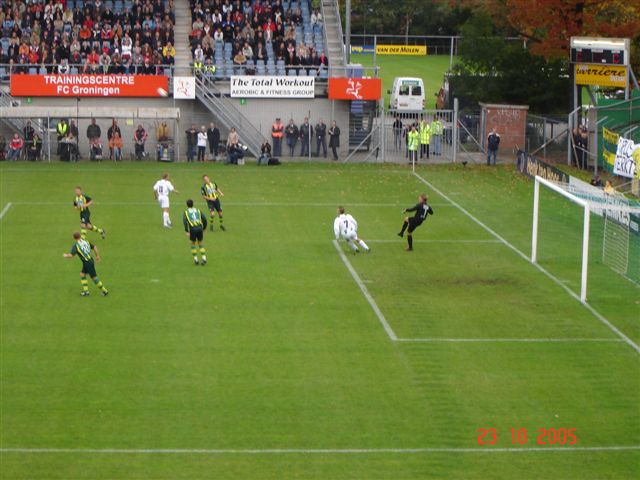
(166,221)
(352,245)
(363,245)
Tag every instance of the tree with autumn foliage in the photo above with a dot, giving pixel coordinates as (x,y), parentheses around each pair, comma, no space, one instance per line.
(549,24)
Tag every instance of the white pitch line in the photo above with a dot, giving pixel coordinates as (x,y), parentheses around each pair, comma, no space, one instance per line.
(245,204)
(5,210)
(510,340)
(313,451)
(391,240)
(593,311)
(365,292)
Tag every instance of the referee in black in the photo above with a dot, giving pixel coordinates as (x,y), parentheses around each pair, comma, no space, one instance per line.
(422,209)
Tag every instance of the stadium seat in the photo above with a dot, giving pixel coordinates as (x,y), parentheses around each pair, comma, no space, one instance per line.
(43,71)
(33,71)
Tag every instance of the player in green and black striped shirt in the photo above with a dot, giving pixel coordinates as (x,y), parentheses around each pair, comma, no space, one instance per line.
(82,202)
(195,224)
(83,250)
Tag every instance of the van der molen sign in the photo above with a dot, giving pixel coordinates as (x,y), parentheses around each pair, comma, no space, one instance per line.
(272,87)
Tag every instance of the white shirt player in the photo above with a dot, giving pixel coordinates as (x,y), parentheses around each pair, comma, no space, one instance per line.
(345,226)
(163,188)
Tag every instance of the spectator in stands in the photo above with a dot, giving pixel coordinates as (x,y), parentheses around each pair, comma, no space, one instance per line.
(192,141)
(115,146)
(321,138)
(15,147)
(139,139)
(213,137)
(168,54)
(292,133)
(316,17)
(277,132)
(334,139)
(240,60)
(306,132)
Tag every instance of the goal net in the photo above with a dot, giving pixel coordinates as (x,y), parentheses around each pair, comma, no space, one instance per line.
(585,237)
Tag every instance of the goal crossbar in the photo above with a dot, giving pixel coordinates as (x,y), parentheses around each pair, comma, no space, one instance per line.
(585,232)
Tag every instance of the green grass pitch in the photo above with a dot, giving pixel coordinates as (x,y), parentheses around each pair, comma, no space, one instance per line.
(430,68)
(270,363)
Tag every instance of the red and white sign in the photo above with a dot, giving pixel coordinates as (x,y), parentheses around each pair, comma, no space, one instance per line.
(355,88)
(83,85)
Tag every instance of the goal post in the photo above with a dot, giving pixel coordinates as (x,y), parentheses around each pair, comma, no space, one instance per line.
(585,228)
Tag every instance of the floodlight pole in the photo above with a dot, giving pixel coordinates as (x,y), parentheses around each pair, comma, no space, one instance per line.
(347,22)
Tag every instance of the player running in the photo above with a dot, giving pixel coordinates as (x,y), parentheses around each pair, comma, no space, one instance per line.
(82,203)
(422,209)
(211,193)
(194,224)
(82,248)
(161,191)
(345,226)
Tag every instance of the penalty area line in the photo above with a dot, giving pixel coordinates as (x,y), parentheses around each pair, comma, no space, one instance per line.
(543,270)
(365,292)
(510,340)
(314,451)
(5,210)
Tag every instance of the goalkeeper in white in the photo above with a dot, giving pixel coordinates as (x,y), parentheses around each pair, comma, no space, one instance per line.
(345,226)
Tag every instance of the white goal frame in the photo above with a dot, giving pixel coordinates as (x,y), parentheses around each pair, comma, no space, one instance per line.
(585,231)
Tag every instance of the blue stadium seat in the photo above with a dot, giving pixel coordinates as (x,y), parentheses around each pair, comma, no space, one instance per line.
(33,71)
(260,70)
(42,71)
(3,73)
(73,70)
(313,72)
(292,72)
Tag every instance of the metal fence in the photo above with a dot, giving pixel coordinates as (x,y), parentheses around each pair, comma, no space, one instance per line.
(48,145)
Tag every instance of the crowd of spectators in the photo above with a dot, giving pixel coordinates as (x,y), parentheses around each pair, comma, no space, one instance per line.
(258,36)
(90,36)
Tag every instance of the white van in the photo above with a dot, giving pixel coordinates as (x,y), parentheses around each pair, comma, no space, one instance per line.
(407,95)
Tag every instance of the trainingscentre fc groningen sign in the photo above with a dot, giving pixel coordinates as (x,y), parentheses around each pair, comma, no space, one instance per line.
(250,86)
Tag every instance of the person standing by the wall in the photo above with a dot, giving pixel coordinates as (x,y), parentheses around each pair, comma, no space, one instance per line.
(397,133)
(213,136)
(192,141)
(493,142)
(334,139)
(436,135)
(425,137)
(306,132)
(202,143)
(277,132)
(584,148)
(292,135)
(93,134)
(321,138)
(413,143)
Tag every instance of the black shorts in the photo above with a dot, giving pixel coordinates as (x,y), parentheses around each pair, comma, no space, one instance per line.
(89,268)
(414,223)
(85,217)
(196,234)
(214,205)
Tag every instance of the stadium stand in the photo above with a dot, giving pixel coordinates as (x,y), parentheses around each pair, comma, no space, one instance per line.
(263,37)
(92,36)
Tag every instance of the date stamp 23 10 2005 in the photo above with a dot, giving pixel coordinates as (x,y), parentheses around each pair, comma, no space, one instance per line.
(519,436)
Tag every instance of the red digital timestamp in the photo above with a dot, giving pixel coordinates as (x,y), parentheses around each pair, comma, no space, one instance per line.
(520,436)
